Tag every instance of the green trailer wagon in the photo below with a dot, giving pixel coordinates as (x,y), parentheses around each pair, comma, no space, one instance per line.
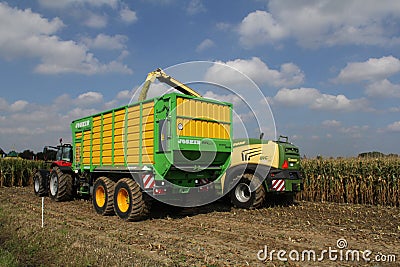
(169,148)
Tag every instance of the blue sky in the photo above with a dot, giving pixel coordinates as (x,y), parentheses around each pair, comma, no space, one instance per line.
(330,70)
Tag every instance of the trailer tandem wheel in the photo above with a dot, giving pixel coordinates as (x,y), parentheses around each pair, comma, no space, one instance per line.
(103,195)
(129,201)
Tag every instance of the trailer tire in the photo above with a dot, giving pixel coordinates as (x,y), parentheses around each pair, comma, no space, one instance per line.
(40,183)
(130,203)
(60,185)
(103,195)
(241,197)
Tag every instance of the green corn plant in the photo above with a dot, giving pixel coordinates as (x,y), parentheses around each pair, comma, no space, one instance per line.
(18,172)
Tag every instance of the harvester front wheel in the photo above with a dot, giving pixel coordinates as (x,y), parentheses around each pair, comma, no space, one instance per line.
(130,203)
(60,185)
(39,183)
(242,197)
(103,195)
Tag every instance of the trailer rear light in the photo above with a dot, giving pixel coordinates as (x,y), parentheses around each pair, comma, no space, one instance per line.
(203,188)
(285,164)
(159,191)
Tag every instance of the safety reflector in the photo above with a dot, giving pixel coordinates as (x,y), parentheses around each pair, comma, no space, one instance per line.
(285,164)
(148,181)
(278,185)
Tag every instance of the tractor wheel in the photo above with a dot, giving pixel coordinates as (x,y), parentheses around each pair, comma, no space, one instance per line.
(39,183)
(241,196)
(103,195)
(130,202)
(60,185)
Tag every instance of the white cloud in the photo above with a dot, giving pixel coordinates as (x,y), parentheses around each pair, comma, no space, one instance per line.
(33,115)
(370,70)
(297,97)
(314,99)
(96,21)
(259,27)
(89,98)
(104,41)
(354,131)
(77,113)
(24,34)
(205,44)
(331,123)
(62,100)
(128,15)
(394,127)
(195,7)
(160,2)
(125,94)
(230,98)
(18,105)
(322,23)
(24,122)
(383,88)
(258,71)
(67,3)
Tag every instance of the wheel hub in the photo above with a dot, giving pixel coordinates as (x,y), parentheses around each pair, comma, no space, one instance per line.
(243,192)
(53,185)
(123,200)
(37,185)
(100,196)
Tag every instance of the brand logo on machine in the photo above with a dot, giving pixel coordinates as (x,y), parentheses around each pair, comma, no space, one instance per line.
(189,141)
(239,143)
(82,124)
(247,154)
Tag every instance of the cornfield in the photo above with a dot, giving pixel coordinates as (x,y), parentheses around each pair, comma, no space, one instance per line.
(18,172)
(352,180)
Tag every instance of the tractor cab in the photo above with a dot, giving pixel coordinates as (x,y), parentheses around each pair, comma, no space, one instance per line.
(60,155)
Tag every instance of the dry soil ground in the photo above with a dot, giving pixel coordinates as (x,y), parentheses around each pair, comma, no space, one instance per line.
(216,235)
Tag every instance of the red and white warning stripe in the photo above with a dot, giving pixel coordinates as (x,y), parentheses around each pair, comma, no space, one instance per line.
(203,181)
(148,181)
(278,185)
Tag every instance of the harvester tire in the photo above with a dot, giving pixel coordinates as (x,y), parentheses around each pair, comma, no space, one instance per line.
(40,183)
(130,203)
(241,197)
(103,195)
(60,185)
